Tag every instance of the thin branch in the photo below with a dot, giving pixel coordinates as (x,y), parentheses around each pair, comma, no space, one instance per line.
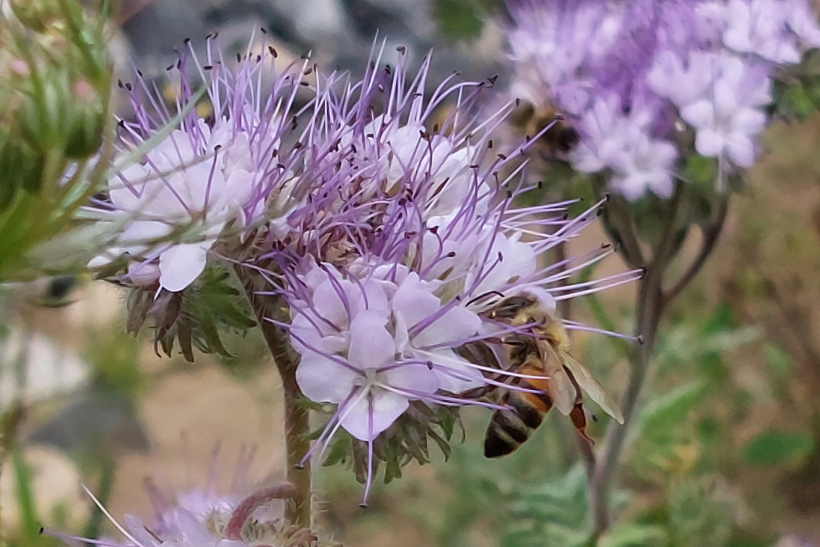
(711,234)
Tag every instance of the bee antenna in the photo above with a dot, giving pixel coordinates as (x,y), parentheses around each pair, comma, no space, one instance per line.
(485,295)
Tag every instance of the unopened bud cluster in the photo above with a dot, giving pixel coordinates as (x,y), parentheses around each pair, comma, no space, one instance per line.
(53,96)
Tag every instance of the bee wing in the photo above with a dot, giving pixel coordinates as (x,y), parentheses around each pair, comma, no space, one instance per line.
(591,386)
(562,390)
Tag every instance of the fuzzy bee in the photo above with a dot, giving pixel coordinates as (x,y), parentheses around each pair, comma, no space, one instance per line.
(547,374)
(532,120)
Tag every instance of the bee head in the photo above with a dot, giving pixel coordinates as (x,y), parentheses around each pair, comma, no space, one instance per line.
(511,307)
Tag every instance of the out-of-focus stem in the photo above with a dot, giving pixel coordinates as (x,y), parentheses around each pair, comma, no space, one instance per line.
(9,424)
(297,419)
(650,307)
(652,300)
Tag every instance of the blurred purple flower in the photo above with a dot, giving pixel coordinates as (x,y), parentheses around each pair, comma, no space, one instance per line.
(625,73)
(200,517)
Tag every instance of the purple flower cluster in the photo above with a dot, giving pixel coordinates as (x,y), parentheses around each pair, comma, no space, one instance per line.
(631,75)
(381,214)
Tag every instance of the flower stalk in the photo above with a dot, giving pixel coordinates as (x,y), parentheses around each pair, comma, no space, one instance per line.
(297,418)
(651,303)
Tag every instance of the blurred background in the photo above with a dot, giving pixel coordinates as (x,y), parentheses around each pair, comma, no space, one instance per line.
(725,452)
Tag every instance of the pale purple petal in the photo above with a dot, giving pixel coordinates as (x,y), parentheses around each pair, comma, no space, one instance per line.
(366,417)
(709,142)
(454,373)
(323,380)
(456,324)
(371,346)
(414,377)
(180,265)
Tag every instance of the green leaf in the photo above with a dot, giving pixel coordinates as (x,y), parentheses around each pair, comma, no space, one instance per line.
(670,408)
(773,447)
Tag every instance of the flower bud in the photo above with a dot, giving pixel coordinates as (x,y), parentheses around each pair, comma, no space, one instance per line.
(21,167)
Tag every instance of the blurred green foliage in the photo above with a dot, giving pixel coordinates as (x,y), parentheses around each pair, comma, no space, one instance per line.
(54,117)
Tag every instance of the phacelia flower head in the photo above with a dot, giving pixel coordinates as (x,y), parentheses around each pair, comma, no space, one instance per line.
(641,72)
(182,181)
(405,242)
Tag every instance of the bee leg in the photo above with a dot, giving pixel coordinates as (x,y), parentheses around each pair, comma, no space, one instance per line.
(579,420)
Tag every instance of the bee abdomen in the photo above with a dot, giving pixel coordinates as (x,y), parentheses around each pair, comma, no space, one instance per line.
(510,428)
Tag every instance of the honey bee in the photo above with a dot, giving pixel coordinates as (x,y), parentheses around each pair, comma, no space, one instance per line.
(550,374)
(556,141)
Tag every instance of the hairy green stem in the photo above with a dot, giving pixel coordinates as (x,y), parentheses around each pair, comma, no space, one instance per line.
(297,418)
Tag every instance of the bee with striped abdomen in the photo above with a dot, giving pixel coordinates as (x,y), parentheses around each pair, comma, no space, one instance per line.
(547,375)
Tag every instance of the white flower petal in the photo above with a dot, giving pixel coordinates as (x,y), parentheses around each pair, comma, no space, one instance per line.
(323,380)
(180,265)
(456,324)
(414,377)
(371,346)
(454,373)
(366,417)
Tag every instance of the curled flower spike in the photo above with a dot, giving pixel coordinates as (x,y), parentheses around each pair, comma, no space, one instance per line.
(201,518)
